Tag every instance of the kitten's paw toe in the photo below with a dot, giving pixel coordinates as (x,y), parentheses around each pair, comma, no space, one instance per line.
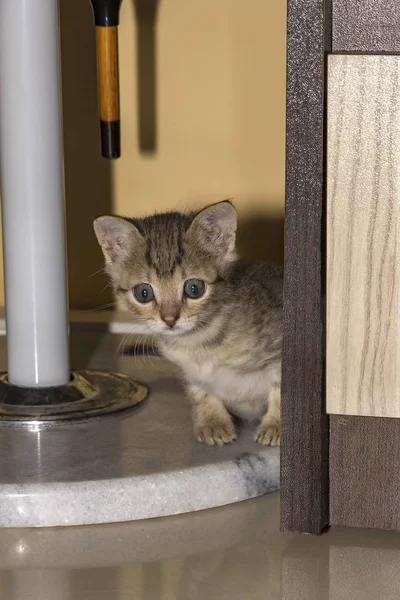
(268,435)
(217,432)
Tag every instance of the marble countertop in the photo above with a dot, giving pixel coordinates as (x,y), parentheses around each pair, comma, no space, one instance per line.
(140,464)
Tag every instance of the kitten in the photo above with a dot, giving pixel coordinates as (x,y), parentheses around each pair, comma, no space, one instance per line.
(218,320)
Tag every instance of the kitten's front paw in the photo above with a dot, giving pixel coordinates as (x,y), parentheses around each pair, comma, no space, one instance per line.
(268,435)
(215,432)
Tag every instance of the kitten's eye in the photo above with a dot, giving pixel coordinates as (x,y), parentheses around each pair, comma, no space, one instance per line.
(194,288)
(143,292)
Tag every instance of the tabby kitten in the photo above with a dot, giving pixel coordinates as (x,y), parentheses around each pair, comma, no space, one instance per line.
(218,320)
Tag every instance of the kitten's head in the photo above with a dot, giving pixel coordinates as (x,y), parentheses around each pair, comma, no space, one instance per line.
(167,268)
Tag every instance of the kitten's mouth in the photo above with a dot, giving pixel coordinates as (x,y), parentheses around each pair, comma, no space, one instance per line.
(173,329)
(178,328)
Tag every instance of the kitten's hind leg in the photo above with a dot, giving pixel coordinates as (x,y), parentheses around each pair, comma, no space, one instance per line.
(269,431)
(212,423)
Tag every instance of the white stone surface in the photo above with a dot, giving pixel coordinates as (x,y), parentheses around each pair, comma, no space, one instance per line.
(135,465)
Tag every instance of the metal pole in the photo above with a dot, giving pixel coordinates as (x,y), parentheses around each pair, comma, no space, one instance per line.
(32,191)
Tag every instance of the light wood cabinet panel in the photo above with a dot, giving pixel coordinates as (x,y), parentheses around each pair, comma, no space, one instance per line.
(363,197)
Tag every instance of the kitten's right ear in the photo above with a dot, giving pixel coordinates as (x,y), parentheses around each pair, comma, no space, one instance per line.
(116,237)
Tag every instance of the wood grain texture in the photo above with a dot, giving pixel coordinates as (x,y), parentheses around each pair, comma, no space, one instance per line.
(108,72)
(364,472)
(366,26)
(304,452)
(363,187)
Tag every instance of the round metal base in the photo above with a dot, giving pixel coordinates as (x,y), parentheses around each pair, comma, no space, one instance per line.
(89,394)
(133,465)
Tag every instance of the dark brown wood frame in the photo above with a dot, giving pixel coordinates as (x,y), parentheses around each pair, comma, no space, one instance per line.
(364,463)
(305,445)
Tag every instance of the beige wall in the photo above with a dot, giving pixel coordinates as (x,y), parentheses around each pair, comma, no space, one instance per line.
(220,106)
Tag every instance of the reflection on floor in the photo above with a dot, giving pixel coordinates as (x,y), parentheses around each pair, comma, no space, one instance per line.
(228,553)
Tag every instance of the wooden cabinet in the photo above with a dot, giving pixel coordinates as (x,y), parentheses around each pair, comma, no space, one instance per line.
(341,404)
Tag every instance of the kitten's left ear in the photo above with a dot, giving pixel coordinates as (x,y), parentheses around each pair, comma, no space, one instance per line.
(216,226)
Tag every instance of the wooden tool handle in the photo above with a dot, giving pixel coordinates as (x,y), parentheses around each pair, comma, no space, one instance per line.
(106,18)
(108,86)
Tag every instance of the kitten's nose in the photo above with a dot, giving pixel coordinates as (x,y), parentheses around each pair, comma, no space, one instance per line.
(170,321)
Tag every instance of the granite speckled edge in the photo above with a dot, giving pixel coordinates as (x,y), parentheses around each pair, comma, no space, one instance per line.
(98,492)
(134,498)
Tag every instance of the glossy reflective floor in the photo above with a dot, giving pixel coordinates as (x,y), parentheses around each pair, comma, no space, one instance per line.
(231,553)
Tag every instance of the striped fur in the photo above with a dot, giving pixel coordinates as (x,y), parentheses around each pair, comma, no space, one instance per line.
(226,343)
